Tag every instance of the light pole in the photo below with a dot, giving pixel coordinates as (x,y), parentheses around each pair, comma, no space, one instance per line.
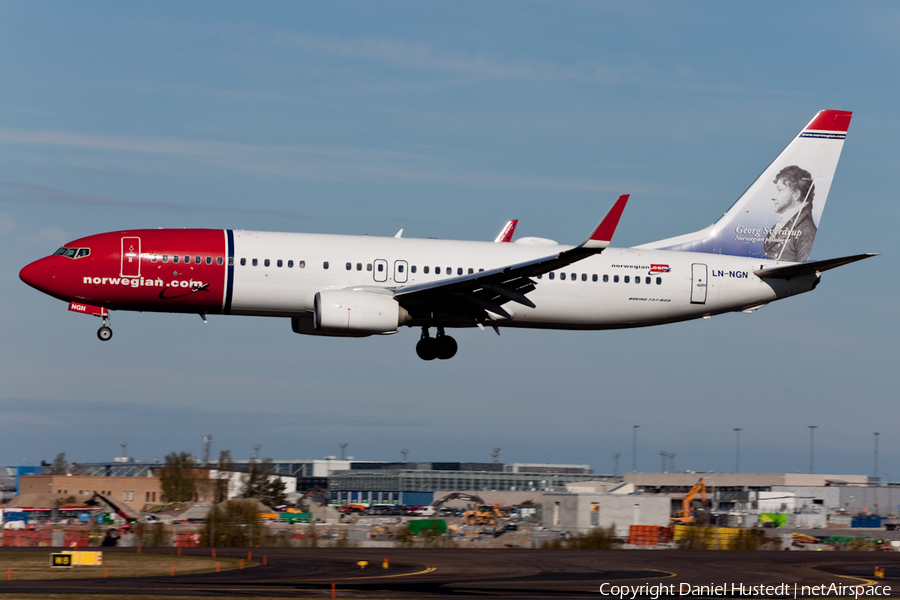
(664,456)
(616,463)
(672,462)
(876,453)
(634,429)
(737,450)
(812,439)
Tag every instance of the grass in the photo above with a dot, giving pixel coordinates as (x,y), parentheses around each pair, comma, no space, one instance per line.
(36,565)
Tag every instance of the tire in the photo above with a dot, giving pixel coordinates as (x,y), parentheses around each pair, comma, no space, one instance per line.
(104,333)
(446,347)
(427,349)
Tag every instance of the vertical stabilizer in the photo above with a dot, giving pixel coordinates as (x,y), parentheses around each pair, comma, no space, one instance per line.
(778,216)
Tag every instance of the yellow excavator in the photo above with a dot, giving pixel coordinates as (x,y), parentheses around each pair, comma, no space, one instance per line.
(688,514)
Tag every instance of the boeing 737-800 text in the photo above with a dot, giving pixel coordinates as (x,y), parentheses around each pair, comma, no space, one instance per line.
(355,286)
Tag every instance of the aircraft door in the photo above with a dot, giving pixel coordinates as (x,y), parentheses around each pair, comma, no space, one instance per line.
(400,271)
(380,272)
(698,283)
(130,265)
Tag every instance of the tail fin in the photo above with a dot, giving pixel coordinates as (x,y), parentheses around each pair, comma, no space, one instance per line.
(778,216)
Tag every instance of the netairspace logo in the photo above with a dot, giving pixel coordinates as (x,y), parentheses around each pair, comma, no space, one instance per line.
(739,590)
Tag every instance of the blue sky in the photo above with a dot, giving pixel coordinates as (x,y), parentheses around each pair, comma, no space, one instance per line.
(446,120)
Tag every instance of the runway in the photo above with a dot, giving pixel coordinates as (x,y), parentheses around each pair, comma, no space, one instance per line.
(510,573)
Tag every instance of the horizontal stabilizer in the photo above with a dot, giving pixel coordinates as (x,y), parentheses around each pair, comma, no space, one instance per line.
(810,268)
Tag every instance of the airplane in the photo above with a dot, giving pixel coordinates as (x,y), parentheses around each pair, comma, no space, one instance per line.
(358,286)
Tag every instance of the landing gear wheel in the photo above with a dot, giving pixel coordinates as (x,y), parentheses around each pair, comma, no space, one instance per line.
(446,347)
(427,348)
(104,333)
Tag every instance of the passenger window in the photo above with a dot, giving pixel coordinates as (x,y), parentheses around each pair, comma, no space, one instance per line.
(584,277)
(82,252)
(647,281)
(219,260)
(175,258)
(279,263)
(243,262)
(562,276)
(399,268)
(165,258)
(459,271)
(550,275)
(302,264)
(187,259)
(539,276)
(230,261)
(606,279)
(380,267)
(153,258)
(290,264)
(471,271)
(368,266)
(266,262)
(574,276)
(425,269)
(480,270)
(349,266)
(209,260)
(359,266)
(196,260)
(658,280)
(594,277)
(412,269)
(437,270)
(255,262)
(637,279)
(627,279)
(325,265)
(615,279)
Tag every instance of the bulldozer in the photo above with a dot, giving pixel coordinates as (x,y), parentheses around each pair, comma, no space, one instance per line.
(483,514)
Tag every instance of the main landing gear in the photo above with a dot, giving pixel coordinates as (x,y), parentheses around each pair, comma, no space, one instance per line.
(105,332)
(441,347)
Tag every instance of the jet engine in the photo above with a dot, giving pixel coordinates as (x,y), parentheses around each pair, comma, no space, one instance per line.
(357,312)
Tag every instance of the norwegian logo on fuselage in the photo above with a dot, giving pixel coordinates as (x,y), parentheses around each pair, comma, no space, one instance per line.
(659,269)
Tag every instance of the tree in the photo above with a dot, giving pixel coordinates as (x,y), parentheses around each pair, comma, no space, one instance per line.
(177,478)
(235,523)
(261,483)
(60,465)
(226,466)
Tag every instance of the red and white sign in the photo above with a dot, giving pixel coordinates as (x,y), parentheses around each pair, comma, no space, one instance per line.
(88,309)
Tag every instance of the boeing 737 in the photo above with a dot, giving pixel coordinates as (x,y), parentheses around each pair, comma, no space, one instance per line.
(357,286)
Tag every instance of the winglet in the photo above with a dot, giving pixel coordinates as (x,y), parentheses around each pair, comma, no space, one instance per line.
(602,235)
(506,233)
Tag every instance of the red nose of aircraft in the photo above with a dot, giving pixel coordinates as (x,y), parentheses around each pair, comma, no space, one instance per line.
(40,275)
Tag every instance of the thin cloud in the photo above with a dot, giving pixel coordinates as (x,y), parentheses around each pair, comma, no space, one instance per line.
(17,192)
(409,55)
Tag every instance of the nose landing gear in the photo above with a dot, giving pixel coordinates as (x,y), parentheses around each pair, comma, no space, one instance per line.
(442,346)
(105,332)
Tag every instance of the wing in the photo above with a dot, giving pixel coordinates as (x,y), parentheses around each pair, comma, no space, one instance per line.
(484,292)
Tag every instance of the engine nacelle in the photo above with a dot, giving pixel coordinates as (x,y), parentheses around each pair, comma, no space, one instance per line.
(357,312)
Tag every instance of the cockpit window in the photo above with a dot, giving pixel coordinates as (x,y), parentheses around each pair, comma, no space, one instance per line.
(72,252)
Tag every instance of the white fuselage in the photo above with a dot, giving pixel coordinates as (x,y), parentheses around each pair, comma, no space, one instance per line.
(616,289)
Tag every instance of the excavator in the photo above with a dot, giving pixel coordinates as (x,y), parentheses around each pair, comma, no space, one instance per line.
(688,515)
(482,514)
